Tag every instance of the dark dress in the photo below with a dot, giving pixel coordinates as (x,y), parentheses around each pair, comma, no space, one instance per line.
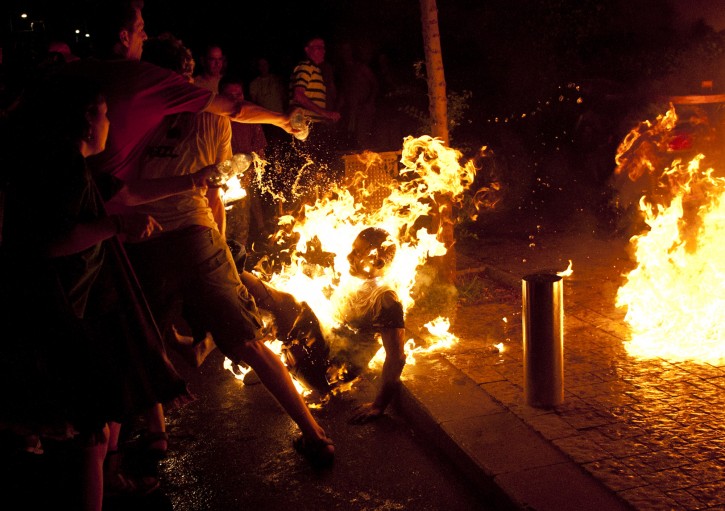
(84,348)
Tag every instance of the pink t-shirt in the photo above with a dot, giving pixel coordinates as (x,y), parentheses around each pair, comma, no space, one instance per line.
(139,96)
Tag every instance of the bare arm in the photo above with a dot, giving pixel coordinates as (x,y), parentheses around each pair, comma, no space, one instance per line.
(217,208)
(394,345)
(85,235)
(249,113)
(306,103)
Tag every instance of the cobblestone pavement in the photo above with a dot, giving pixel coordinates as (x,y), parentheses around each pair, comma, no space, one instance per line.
(650,430)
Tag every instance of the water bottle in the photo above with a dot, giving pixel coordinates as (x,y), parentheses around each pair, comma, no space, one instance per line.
(227,169)
(300,124)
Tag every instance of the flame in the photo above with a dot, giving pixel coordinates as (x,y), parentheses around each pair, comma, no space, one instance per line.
(673,297)
(334,221)
(568,272)
(234,189)
(432,181)
(440,338)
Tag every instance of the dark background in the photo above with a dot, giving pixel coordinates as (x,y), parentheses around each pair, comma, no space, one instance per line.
(551,86)
(500,49)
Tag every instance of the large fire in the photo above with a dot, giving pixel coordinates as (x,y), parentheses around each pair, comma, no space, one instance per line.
(674,296)
(315,243)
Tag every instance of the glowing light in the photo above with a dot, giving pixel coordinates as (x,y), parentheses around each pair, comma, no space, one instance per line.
(432,180)
(673,299)
(568,272)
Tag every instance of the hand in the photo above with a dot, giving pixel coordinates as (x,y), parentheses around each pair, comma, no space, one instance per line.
(202,178)
(333,116)
(138,225)
(286,124)
(366,413)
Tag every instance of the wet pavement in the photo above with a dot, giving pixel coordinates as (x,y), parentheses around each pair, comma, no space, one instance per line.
(630,434)
(231,449)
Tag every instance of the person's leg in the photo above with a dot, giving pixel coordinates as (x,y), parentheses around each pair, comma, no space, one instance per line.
(283,306)
(114,433)
(115,480)
(218,302)
(275,377)
(157,440)
(305,349)
(93,456)
(159,271)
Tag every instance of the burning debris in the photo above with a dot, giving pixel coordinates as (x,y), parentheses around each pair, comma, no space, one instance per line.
(672,296)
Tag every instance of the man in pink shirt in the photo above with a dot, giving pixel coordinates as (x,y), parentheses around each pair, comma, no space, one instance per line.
(140,94)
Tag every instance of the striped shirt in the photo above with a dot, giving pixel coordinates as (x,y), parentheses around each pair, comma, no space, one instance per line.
(308,75)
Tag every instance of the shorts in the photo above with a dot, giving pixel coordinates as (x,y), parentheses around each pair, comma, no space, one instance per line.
(190,273)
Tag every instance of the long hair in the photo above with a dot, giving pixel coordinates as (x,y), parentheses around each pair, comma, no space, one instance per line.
(51,119)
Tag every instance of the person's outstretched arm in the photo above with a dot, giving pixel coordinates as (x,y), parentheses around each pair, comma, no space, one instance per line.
(249,113)
(301,99)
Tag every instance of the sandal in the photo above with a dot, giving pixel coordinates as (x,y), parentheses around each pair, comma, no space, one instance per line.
(320,452)
(150,449)
(155,444)
(118,484)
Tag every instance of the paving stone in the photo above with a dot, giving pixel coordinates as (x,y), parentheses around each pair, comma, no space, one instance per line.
(650,433)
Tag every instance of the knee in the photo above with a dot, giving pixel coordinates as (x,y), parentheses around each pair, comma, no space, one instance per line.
(251,352)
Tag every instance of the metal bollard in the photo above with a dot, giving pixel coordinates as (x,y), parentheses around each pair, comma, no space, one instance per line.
(543,332)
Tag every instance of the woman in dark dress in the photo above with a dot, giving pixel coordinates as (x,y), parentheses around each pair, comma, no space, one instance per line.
(84,353)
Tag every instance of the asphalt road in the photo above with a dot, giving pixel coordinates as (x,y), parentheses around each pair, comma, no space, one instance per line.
(231,450)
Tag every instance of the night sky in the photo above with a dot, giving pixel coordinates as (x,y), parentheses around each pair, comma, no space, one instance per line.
(505,51)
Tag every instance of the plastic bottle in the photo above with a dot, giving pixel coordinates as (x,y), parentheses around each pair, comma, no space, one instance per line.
(301,124)
(227,169)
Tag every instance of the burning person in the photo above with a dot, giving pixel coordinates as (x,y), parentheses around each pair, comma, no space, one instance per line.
(374,309)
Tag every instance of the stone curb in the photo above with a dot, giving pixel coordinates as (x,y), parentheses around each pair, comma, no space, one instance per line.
(513,466)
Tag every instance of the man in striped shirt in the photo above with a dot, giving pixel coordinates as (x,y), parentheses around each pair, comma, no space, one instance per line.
(309,92)
(307,85)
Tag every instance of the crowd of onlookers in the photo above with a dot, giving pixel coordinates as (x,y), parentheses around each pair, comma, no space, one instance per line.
(363,83)
(115,244)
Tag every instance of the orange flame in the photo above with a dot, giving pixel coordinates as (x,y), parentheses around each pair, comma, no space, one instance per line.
(673,298)
(432,178)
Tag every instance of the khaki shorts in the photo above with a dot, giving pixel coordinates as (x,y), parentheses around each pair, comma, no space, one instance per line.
(191,273)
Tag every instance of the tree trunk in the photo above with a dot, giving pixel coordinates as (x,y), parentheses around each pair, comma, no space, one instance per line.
(438,104)
(438,107)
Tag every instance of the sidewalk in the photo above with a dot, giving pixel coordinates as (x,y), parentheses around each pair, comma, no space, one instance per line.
(631,434)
